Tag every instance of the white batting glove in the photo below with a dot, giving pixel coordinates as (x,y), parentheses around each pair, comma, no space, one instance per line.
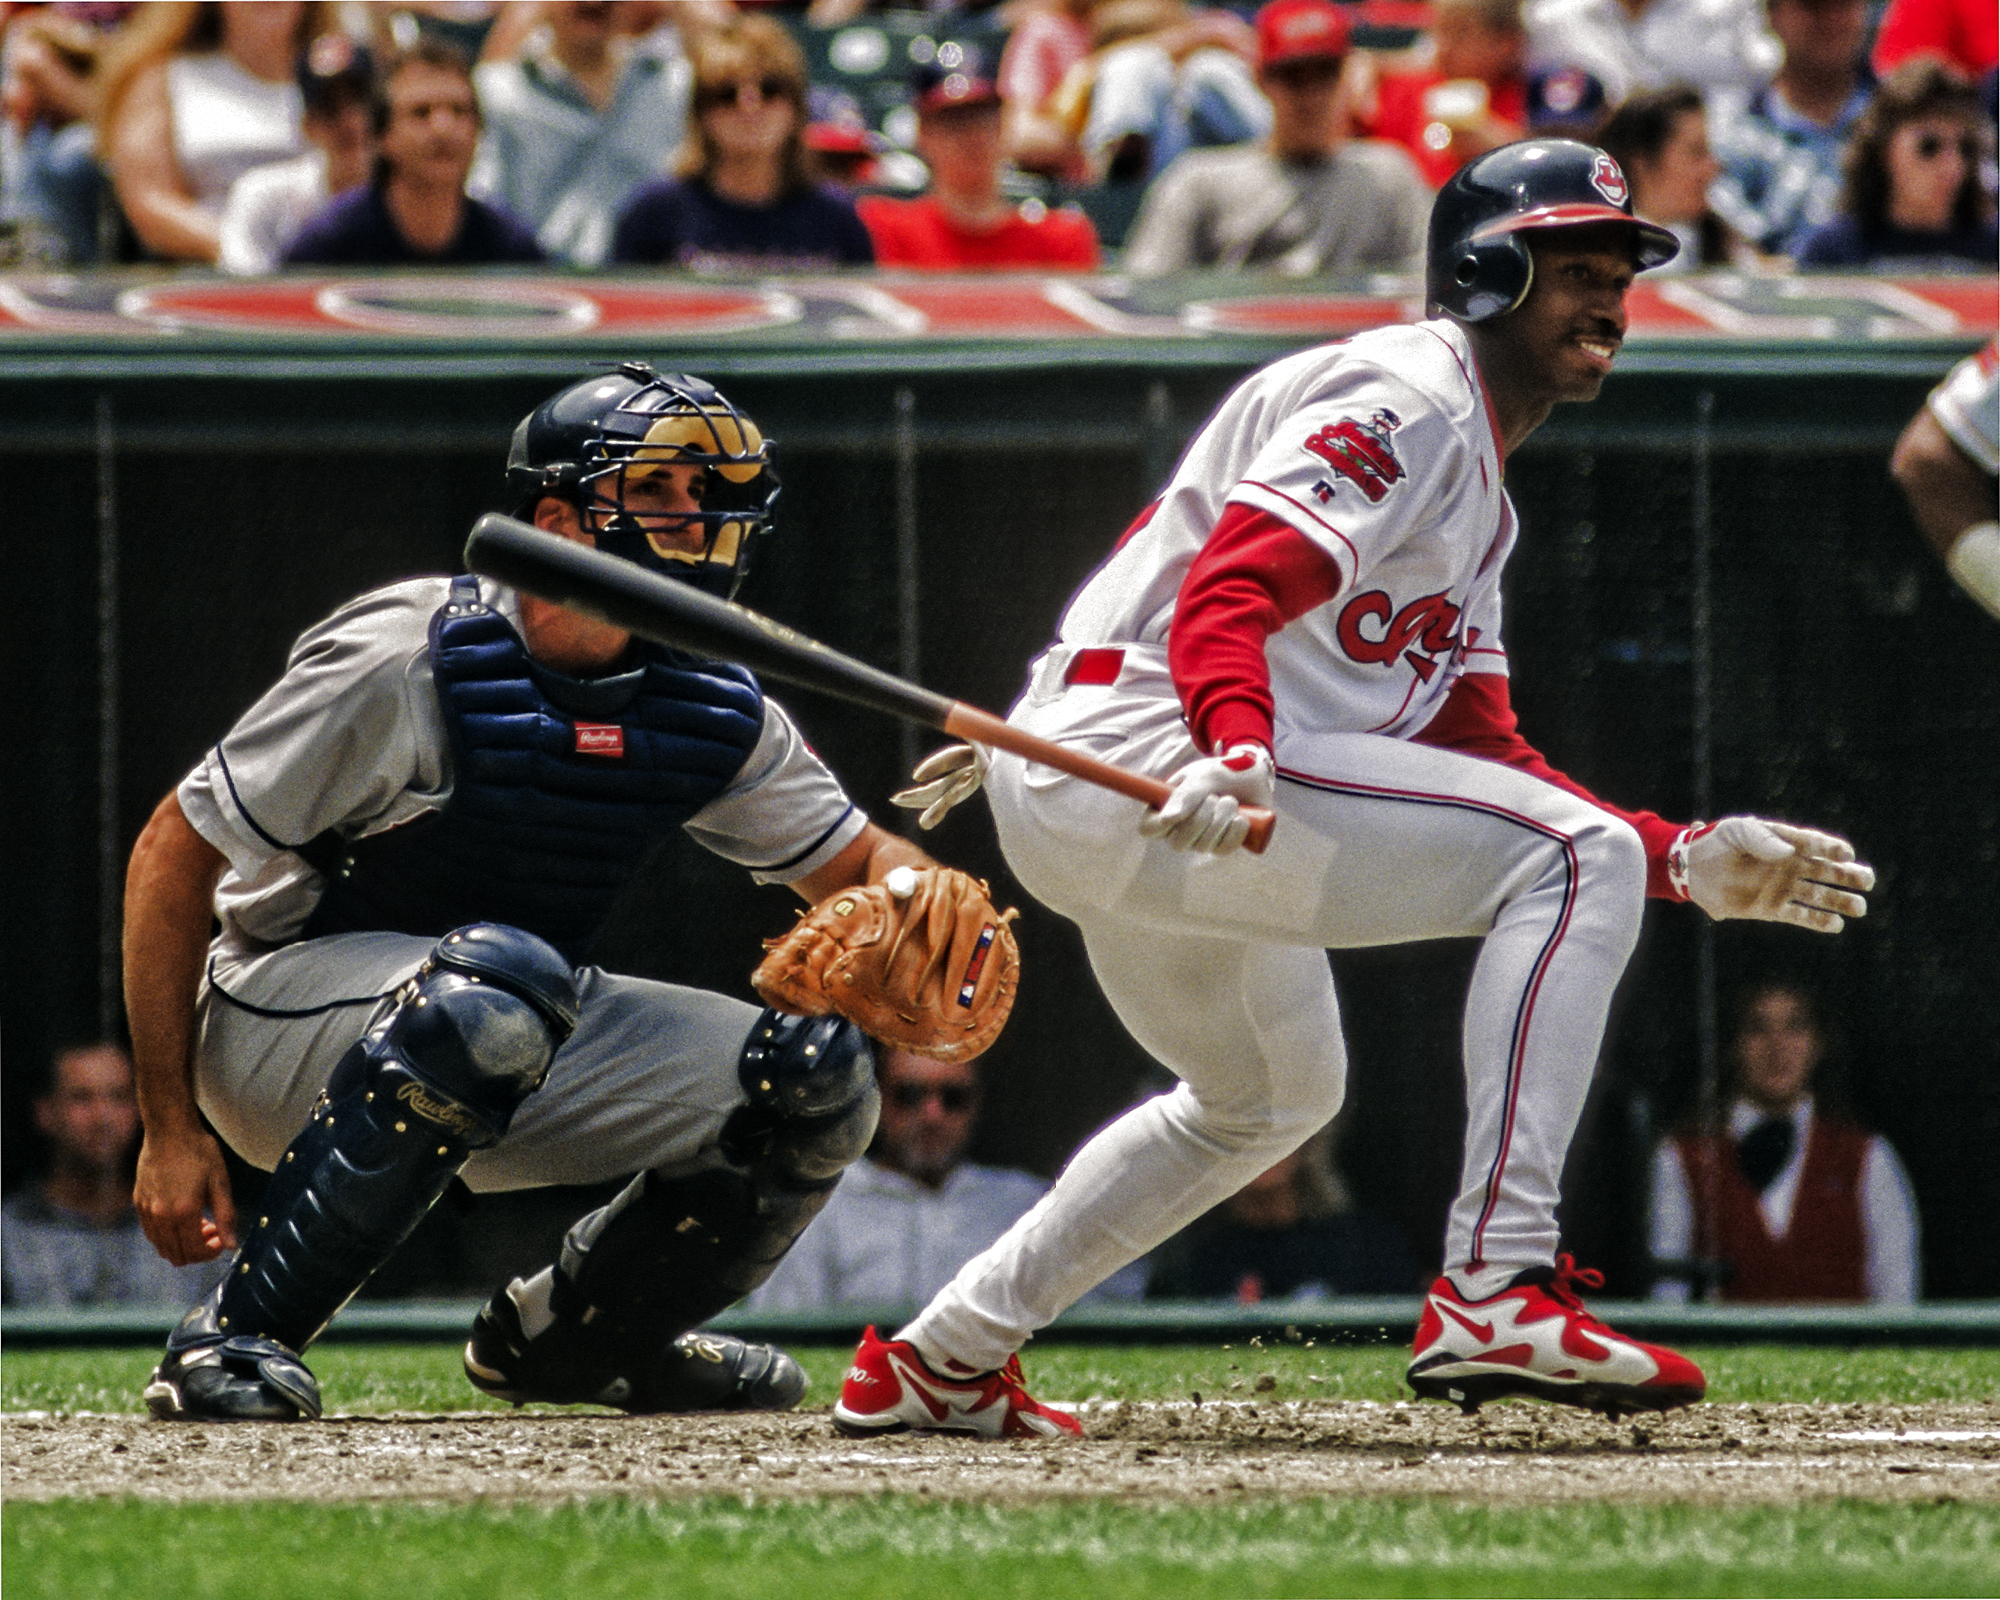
(1748,867)
(942,779)
(1205,811)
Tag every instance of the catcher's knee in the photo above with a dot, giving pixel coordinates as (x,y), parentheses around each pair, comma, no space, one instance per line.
(472,1034)
(812,1100)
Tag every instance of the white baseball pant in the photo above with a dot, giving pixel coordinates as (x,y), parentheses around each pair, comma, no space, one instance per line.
(1217,967)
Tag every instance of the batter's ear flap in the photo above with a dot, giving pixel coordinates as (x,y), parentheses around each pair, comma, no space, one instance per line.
(1491,278)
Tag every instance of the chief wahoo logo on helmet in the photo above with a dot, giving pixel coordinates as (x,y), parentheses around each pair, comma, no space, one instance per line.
(617,446)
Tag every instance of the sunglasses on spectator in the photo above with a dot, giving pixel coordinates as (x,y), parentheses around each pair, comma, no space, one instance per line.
(730,94)
(1930,146)
(953,1099)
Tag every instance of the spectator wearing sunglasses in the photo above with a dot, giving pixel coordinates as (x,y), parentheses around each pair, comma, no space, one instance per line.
(744,199)
(914,1210)
(1913,198)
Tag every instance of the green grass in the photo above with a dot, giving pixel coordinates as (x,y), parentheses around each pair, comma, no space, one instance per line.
(891,1547)
(365,1379)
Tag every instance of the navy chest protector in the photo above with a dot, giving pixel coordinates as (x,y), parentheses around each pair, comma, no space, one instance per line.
(551,809)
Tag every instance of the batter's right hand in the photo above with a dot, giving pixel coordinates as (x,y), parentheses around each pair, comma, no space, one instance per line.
(183,1199)
(1205,811)
(943,778)
(1771,872)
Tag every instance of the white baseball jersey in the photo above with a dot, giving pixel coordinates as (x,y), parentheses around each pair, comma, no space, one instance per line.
(352,737)
(1967,406)
(1380,453)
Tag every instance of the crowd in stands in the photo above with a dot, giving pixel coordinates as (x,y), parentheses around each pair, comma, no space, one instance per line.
(1300,138)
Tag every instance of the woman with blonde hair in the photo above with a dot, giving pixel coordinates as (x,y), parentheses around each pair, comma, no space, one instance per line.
(193,97)
(743,197)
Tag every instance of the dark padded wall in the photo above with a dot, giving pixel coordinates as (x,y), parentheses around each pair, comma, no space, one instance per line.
(1853,687)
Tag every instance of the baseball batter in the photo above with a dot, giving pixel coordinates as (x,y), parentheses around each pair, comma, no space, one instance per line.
(410,842)
(1310,618)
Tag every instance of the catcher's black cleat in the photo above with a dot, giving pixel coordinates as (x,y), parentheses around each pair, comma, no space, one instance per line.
(699,1371)
(206,1376)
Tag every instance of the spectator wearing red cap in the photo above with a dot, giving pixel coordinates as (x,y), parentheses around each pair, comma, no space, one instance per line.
(1304,200)
(965,222)
(1469,97)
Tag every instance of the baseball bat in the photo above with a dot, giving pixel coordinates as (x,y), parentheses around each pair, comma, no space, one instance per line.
(679,615)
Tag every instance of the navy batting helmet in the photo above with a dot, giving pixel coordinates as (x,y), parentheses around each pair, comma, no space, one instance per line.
(583,444)
(1477,264)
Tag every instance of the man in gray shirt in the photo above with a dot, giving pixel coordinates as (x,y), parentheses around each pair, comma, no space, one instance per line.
(410,842)
(577,122)
(70,1237)
(1305,201)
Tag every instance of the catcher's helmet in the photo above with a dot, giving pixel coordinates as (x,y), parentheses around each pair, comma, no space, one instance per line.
(1477,264)
(581,445)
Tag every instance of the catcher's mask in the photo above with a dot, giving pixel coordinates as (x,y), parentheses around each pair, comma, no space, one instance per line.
(599,442)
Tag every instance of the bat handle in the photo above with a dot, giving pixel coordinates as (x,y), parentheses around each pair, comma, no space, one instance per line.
(982,727)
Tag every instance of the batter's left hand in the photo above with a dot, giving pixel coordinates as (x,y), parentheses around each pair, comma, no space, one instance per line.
(1205,811)
(1770,872)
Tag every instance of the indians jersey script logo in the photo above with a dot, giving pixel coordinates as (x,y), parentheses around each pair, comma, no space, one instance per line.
(1361,453)
(1608,181)
(1425,633)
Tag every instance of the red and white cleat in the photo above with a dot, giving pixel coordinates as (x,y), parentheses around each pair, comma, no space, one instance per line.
(892,1389)
(1535,1338)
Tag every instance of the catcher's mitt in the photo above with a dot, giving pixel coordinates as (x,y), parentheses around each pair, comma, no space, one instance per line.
(920,959)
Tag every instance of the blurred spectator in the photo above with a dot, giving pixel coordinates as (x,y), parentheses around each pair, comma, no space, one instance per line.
(577,122)
(1052,37)
(416,211)
(965,222)
(1660,138)
(1794,1203)
(1161,77)
(52,186)
(194,96)
(268,205)
(1961,33)
(1566,103)
(1307,199)
(71,1238)
(1471,97)
(1291,1233)
(840,147)
(1912,197)
(914,1210)
(1946,461)
(745,198)
(1780,145)
(1647,44)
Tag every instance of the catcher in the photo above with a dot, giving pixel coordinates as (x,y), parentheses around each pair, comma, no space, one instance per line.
(410,842)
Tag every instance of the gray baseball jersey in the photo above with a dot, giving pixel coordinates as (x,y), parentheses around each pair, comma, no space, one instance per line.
(352,737)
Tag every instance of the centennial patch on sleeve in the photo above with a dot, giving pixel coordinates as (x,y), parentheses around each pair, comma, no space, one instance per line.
(1362,452)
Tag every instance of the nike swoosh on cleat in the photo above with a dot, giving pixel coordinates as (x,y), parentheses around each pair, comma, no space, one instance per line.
(1482,1331)
(1513,1355)
(937,1404)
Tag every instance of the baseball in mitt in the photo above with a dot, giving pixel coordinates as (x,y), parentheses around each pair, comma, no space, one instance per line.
(920,959)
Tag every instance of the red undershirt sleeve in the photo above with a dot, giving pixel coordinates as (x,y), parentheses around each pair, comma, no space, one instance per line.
(1254,575)
(1478,720)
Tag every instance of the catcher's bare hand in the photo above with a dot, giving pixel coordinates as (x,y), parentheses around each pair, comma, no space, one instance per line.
(1771,872)
(182,1197)
(920,959)
(940,781)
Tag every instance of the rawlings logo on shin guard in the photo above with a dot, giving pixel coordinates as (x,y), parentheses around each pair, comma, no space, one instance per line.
(447,1114)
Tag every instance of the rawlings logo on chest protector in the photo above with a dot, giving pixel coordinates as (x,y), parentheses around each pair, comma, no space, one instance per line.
(1361,452)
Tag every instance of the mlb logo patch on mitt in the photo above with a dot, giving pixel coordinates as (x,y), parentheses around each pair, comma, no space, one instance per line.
(921,959)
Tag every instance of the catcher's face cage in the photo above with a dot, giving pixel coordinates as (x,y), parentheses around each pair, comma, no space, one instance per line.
(629,481)
(673,421)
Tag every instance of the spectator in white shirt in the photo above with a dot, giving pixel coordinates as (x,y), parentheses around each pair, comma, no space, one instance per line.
(914,1210)
(1793,1204)
(268,205)
(1646,44)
